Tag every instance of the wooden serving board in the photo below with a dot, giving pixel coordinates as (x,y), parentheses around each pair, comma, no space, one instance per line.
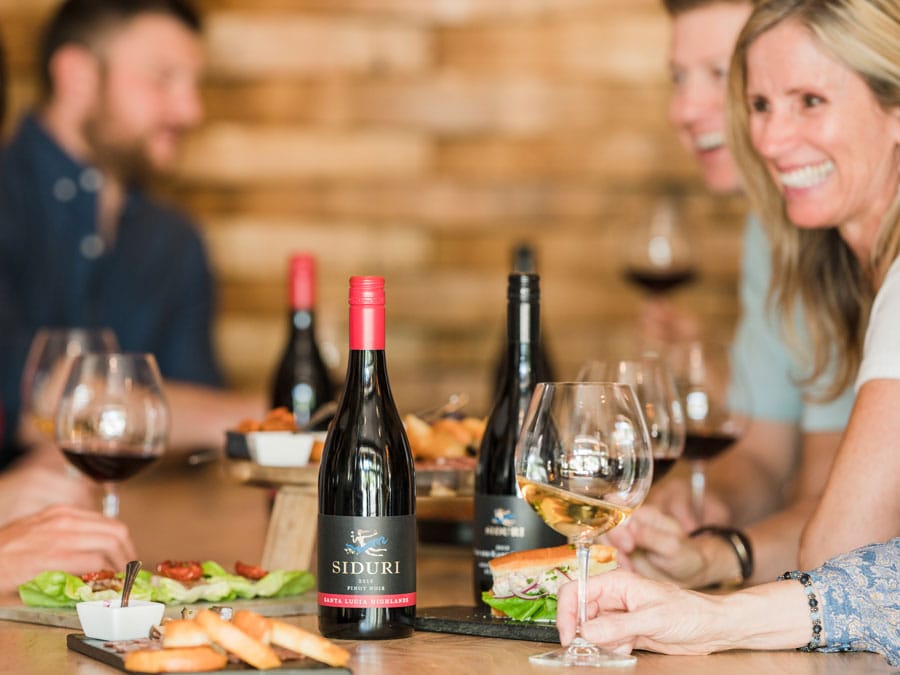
(66,617)
(97,649)
(479,622)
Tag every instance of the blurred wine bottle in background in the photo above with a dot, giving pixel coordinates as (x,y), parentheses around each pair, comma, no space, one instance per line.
(523,262)
(367,497)
(503,521)
(302,382)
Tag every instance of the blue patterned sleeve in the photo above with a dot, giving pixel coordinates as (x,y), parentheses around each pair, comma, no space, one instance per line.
(861,594)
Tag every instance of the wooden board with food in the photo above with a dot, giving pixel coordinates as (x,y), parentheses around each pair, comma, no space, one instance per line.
(208,642)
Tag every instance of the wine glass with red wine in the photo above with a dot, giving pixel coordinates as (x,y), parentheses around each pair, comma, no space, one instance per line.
(658,256)
(652,381)
(113,419)
(710,386)
(583,463)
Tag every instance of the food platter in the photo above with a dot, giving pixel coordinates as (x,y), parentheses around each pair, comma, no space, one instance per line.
(105,652)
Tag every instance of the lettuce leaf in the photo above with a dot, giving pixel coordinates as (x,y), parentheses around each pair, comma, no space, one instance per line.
(539,609)
(58,589)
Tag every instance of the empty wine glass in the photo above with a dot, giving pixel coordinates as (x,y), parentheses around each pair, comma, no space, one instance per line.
(583,462)
(652,381)
(113,419)
(709,385)
(47,365)
(658,256)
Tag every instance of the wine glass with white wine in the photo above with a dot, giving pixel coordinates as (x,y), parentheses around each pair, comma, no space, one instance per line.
(584,463)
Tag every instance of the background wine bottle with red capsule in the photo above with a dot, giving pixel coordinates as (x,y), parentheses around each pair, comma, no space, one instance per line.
(301,382)
(367,499)
(503,521)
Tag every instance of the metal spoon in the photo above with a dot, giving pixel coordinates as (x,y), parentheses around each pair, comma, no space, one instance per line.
(131,570)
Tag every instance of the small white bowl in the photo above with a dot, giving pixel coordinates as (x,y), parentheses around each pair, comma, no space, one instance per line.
(105,620)
(280,448)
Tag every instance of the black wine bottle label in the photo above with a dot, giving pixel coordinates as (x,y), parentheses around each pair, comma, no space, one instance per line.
(506,523)
(367,562)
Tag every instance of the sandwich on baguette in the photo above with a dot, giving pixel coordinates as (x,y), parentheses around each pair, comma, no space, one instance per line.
(525,583)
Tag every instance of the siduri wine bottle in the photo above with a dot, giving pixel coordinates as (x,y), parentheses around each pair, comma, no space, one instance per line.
(503,521)
(301,382)
(367,498)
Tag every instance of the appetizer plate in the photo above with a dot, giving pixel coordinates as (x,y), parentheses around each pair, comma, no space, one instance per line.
(106,652)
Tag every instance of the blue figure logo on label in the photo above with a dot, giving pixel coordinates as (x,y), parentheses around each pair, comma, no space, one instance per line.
(367,542)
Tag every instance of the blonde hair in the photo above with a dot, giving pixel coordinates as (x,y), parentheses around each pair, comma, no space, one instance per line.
(815,269)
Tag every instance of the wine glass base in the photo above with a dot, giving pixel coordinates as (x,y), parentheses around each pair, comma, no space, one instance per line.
(587,655)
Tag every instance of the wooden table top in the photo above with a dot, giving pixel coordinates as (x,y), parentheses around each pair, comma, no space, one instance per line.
(230,524)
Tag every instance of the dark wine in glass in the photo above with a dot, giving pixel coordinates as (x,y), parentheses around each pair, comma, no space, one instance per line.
(658,256)
(705,446)
(659,281)
(107,464)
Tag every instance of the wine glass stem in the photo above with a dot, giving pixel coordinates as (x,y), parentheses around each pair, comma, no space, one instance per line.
(583,553)
(110,501)
(698,488)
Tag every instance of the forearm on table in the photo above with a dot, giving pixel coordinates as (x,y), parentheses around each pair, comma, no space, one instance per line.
(776,540)
(770,616)
(749,489)
(200,415)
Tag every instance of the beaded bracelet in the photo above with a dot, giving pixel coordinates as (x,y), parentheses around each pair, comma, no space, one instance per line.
(814,614)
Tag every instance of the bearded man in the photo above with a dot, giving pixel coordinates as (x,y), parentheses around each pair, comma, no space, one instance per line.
(81,243)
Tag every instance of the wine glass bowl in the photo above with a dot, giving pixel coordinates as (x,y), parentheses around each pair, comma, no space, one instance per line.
(653,383)
(709,385)
(113,418)
(47,365)
(658,255)
(584,463)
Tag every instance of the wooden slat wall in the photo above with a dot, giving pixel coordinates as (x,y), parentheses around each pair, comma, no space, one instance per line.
(421,140)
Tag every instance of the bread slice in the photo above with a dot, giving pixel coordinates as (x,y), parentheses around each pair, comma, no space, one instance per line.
(178,660)
(294,638)
(309,644)
(183,633)
(233,639)
(539,559)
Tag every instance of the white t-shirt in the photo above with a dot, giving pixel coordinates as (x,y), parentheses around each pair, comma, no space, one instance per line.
(881,349)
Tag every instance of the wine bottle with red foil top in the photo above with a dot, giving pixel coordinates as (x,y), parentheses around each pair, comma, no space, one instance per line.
(367,497)
(301,382)
(504,522)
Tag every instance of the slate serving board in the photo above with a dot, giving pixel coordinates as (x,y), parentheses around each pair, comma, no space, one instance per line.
(66,617)
(96,650)
(476,621)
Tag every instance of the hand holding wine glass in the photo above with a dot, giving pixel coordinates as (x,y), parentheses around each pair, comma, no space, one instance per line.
(583,462)
(113,419)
